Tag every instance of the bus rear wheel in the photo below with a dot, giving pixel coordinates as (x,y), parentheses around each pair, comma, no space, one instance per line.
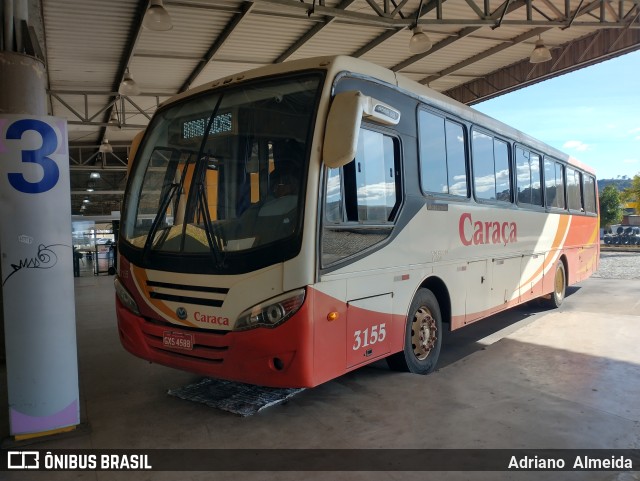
(554,300)
(423,336)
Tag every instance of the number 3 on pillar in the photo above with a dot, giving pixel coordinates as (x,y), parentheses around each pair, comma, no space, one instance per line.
(50,171)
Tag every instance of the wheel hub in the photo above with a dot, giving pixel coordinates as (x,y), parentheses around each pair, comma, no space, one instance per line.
(424,333)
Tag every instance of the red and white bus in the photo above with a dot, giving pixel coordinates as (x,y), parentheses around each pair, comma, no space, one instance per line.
(290,224)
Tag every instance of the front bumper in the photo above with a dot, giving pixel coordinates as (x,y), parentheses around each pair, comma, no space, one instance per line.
(276,357)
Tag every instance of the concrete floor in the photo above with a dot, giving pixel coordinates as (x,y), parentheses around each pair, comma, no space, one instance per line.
(528,378)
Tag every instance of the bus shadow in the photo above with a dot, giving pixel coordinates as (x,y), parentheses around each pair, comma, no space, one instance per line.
(461,343)
(458,344)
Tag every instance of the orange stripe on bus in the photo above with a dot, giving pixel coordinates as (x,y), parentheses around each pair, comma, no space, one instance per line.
(563,227)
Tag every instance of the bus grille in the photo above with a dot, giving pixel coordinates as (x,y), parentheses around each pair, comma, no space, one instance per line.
(166,291)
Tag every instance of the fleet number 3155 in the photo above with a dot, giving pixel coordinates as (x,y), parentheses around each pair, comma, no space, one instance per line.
(369,336)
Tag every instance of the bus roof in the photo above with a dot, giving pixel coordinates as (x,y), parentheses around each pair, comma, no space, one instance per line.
(335,65)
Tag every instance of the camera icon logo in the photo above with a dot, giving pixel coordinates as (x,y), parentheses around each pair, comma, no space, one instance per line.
(23,460)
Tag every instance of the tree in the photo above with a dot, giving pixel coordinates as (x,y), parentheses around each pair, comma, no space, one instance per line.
(610,207)
(631,194)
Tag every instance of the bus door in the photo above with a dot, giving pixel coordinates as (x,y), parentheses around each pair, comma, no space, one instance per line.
(361,203)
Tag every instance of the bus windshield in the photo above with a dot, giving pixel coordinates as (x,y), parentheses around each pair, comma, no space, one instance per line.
(223,172)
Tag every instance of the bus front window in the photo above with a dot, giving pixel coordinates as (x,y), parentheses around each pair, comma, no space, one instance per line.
(224,172)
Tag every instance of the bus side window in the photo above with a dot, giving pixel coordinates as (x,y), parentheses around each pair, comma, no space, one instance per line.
(443,167)
(502,170)
(560,200)
(433,154)
(554,183)
(361,198)
(491,172)
(574,194)
(334,208)
(589,189)
(483,167)
(375,182)
(456,159)
(528,177)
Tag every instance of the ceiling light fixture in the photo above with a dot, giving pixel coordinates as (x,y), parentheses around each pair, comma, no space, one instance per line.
(114,121)
(540,53)
(128,86)
(94,175)
(420,41)
(156,17)
(106,147)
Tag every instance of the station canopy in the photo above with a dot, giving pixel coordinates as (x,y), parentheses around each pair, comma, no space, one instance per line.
(479,49)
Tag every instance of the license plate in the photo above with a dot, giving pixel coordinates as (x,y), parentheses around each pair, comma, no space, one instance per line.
(177,340)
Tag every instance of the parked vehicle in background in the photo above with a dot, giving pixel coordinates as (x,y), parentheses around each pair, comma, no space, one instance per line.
(622,235)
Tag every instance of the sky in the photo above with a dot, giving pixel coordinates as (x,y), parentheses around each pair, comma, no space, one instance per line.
(592,114)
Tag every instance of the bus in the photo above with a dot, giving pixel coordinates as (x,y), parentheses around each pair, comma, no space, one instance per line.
(287,225)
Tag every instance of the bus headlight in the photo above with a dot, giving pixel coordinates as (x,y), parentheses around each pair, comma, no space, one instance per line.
(125,297)
(272,312)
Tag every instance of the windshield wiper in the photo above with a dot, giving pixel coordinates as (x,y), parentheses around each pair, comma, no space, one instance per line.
(164,203)
(215,238)
(215,244)
(166,198)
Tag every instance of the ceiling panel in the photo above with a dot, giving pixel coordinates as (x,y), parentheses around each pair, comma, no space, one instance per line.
(89,43)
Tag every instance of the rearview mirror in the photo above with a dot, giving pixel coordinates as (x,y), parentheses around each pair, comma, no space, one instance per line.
(343,125)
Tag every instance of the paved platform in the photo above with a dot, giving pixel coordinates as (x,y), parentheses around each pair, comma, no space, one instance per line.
(527,378)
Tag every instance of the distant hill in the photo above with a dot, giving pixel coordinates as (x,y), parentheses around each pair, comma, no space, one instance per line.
(621,184)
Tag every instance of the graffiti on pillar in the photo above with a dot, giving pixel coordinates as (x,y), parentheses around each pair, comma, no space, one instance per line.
(44,258)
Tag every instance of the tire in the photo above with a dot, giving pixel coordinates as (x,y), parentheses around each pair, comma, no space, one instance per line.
(423,336)
(559,287)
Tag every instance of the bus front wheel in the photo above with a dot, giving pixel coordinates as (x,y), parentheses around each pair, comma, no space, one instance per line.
(423,336)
